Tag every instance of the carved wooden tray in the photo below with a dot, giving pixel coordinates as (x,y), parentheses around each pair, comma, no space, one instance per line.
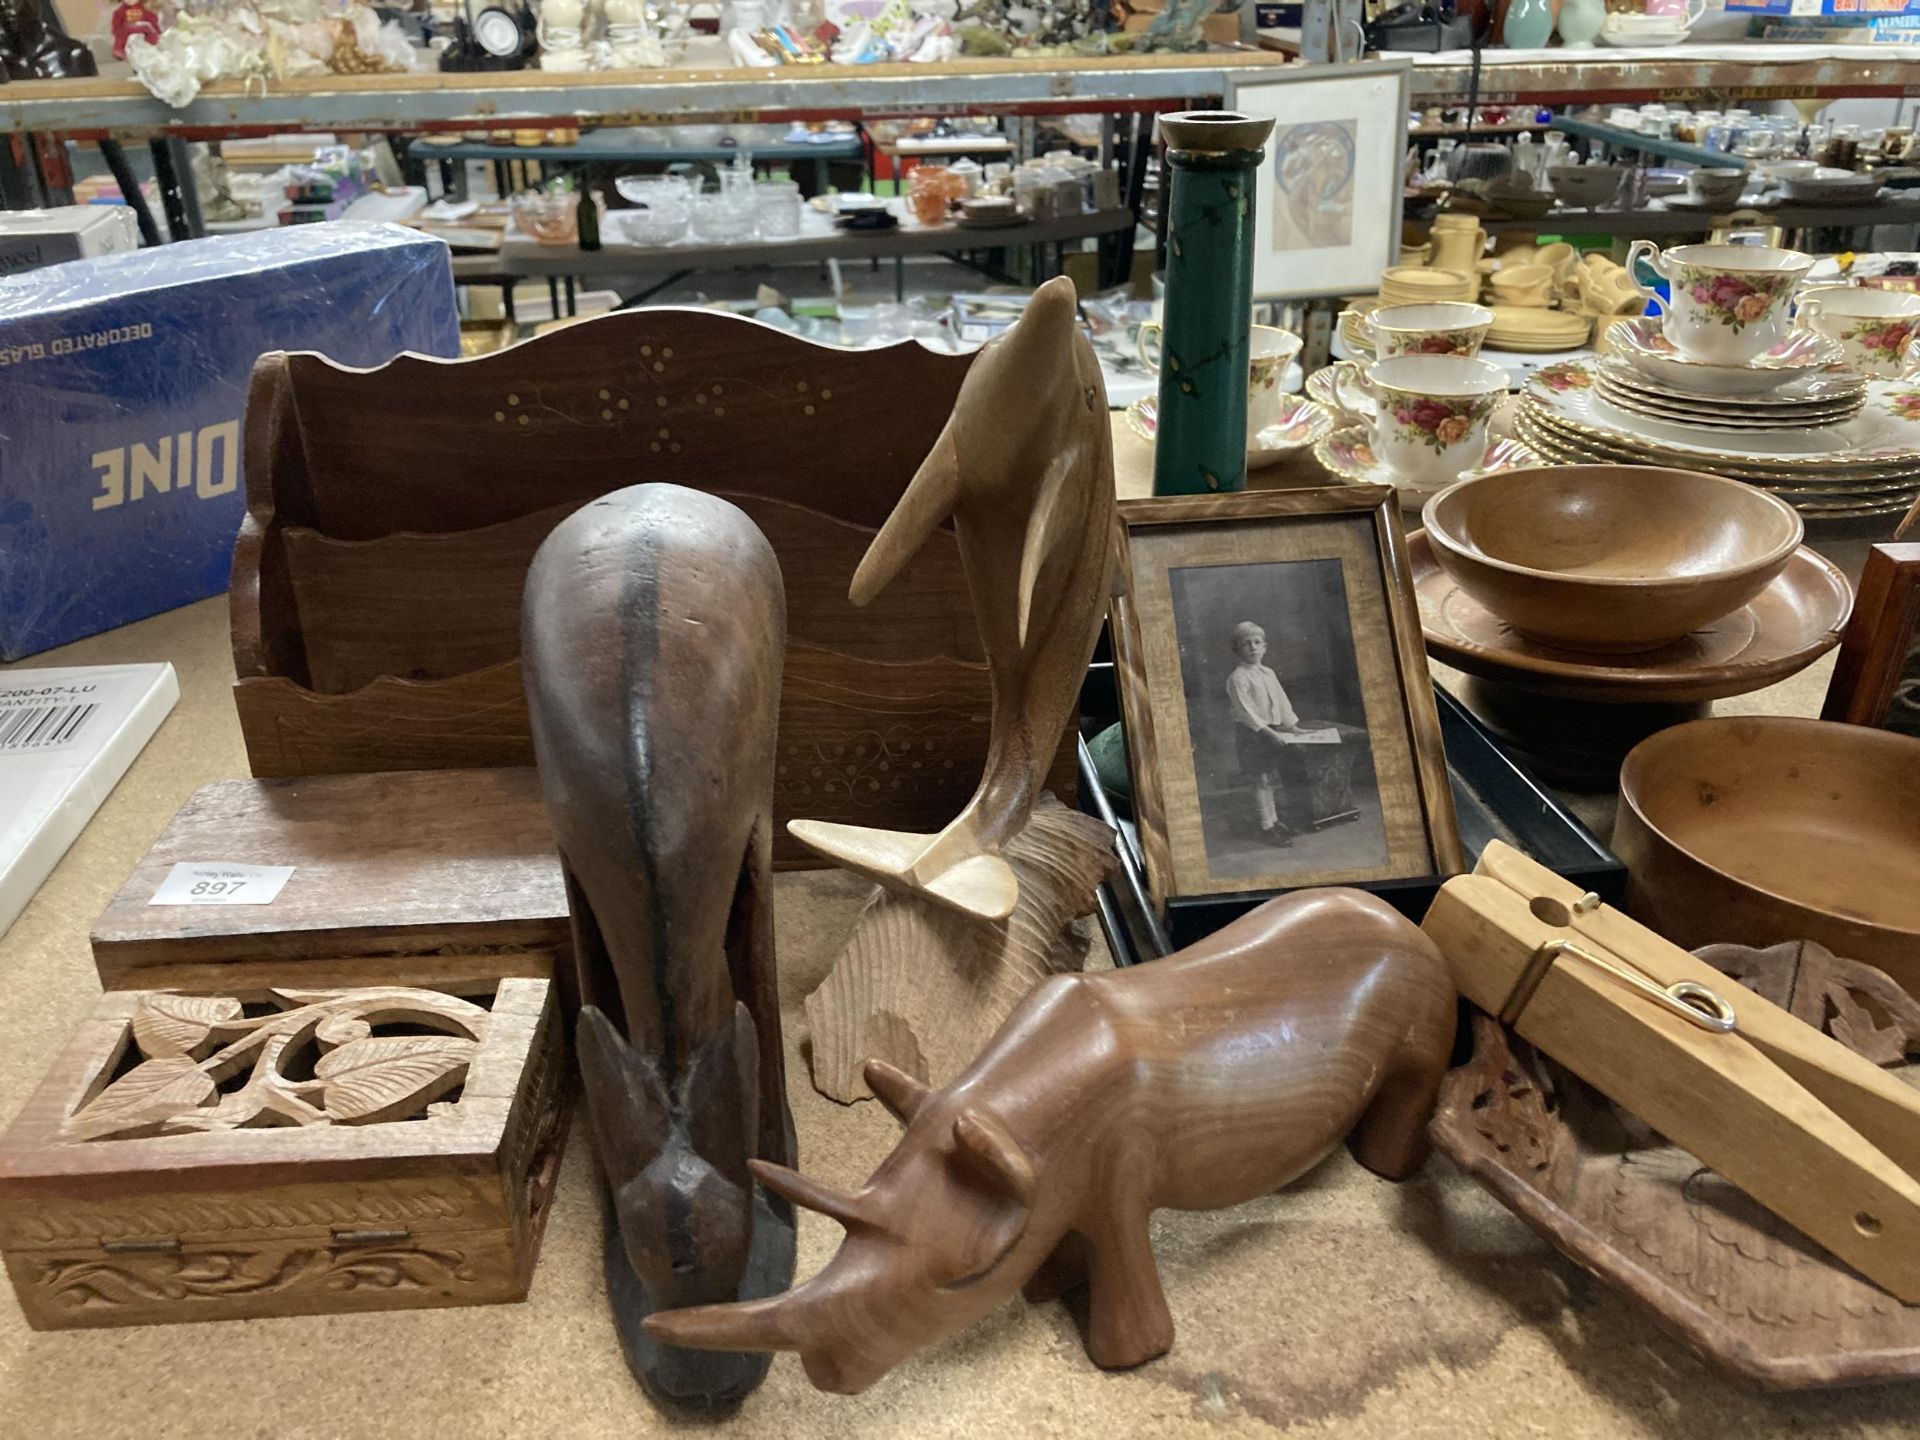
(1747,1291)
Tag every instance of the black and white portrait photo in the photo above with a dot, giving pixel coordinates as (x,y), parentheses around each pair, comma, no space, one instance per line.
(1280,722)
(1281,752)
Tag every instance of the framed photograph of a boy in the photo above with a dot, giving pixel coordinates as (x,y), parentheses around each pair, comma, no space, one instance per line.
(1280,723)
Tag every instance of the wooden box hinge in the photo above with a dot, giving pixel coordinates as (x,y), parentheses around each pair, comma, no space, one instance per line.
(372,1237)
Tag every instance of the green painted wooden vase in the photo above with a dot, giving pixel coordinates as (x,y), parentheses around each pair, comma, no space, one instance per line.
(1200,430)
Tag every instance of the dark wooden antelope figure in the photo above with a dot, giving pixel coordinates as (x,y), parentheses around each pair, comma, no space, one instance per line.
(652,639)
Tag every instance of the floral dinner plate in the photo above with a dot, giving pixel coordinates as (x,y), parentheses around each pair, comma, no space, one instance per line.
(1885,434)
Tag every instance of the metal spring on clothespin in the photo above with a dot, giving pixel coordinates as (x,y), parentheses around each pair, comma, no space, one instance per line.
(1693,1003)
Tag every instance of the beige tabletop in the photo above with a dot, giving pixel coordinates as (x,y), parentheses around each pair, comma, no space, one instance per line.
(1342,1305)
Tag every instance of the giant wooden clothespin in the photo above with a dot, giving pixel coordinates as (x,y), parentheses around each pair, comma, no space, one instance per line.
(1821,1137)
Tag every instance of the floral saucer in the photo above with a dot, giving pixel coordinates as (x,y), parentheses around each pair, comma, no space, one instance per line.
(1320,388)
(1645,345)
(1348,453)
(1301,423)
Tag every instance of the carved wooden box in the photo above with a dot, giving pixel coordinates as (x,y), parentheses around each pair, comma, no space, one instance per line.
(437,877)
(286,1152)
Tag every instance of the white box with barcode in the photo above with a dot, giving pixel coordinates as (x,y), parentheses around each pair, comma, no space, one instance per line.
(66,738)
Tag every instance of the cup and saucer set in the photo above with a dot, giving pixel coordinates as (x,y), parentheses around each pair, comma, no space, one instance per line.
(1278,424)
(1417,417)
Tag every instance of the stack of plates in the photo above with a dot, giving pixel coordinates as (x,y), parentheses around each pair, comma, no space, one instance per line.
(1863,466)
(1536,331)
(1803,402)
(1416,285)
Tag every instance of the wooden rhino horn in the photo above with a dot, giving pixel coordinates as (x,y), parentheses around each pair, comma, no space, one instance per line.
(744,1325)
(994,1155)
(791,1185)
(894,1088)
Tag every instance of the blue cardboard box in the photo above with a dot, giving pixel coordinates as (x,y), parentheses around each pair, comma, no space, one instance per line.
(123,387)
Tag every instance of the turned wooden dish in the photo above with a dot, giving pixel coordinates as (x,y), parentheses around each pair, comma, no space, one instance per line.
(1610,558)
(1766,829)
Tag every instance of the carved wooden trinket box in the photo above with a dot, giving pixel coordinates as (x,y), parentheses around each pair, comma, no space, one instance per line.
(286,1152)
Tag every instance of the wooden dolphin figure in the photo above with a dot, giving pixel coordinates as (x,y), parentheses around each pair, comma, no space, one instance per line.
(1025,468)
(652,636)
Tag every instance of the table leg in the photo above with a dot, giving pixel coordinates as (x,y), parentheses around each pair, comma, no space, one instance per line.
(573,303)
(553,297)
(175,180)
(56,173)
(116,158)
(19,187)
(899,279)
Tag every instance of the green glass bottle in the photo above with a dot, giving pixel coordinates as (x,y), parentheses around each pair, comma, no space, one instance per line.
(1200,433)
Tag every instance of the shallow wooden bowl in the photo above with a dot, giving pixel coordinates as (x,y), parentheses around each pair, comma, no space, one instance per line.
(1610,558)
(1758,830)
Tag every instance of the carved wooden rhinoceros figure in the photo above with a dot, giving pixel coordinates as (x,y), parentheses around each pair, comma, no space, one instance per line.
(1191,1083)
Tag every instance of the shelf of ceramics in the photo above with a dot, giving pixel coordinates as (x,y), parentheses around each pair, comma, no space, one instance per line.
(1638,144)
(1658,219)
(1463,132)
(430,100)
(1733,70)
(625,145)
(520,256)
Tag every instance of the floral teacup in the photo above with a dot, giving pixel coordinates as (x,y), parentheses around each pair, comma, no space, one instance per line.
(1873,327)
(1729,301)
(1269,353)
(1449,328)
(1431,418)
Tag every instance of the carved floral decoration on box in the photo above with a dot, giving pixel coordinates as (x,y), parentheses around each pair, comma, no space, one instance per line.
(192,1064)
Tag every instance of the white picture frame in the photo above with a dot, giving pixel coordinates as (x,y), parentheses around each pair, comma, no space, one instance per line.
(1324,230)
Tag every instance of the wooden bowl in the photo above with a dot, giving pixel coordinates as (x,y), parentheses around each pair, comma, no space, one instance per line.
(1610,558)
(1758,830)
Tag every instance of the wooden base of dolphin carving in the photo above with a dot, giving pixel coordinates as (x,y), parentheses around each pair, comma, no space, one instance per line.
(1025,470)
(923,987)
(1191,1083)
(652,639)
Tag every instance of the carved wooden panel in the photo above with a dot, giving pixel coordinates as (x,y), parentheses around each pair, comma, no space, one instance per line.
(197,1157)
(1737,1284)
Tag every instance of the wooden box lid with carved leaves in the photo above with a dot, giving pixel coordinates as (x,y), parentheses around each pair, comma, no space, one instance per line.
(286,1152)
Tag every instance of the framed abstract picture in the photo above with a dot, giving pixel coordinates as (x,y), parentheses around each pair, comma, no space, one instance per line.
(1876,679)
(1280,723)
(1327,207)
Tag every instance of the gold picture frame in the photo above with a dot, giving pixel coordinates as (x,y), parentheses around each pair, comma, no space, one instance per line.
(1356,784)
